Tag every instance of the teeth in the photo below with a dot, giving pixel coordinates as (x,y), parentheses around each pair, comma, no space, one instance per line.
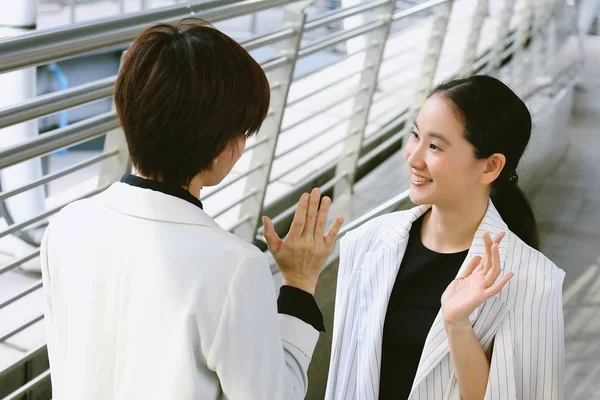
(416,178)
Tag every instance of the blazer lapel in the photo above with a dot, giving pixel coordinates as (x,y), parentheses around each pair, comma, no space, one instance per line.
(376,283)
(436,345)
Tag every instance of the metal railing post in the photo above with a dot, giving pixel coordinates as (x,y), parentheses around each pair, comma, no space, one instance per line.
(376,41)
(281,77)
(430,62)
(470,55)
(503,30)
(113,168)
(523,32)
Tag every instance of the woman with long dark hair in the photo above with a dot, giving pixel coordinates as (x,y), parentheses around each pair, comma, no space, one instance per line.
(452,299)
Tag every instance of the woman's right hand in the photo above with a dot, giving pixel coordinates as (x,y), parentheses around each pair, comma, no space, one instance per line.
(303,253)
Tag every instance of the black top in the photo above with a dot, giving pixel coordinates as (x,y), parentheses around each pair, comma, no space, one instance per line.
(292,301)
(414,303)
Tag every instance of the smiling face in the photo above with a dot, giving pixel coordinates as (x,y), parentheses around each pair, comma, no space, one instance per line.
(444,169)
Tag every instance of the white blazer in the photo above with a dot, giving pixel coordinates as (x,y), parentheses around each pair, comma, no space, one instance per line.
(521,329)
(147,298)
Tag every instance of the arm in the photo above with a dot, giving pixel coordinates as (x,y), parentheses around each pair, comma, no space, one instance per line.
(470,362)
(256,353)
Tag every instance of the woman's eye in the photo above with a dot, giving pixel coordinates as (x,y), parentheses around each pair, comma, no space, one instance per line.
(414,134)
(433,147)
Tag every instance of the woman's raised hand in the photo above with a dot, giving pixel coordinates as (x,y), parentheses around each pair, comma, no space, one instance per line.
(301,256)
(475,285)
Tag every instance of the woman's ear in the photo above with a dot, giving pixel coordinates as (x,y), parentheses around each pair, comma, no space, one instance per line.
(493,167)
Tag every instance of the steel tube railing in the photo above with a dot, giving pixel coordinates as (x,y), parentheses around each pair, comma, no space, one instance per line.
(58,139)
(248,195)
(310,138)
(267,39)
(17,227)
(323,88)
(21,328)
(234,180)
(52,45)
(339,38)
(22,391)
(57,101)
(339,15)
(417,9)
(20,261)
(324,150)
(59,174)
(324,109)
(336,62)
(24,293)
(23,360)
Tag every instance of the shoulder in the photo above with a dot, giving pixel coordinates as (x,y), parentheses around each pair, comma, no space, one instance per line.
(536,278)
(528,262)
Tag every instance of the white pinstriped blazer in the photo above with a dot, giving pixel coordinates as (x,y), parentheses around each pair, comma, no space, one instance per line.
(521,329)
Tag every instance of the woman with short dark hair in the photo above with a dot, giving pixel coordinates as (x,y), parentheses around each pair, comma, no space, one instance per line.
(452,299)
(146,297)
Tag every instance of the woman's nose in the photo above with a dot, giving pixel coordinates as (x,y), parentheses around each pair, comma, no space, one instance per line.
(414,156)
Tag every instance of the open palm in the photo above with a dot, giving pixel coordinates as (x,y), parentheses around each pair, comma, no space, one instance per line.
(476,284)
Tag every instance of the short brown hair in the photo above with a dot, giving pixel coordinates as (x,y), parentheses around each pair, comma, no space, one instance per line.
(183,93)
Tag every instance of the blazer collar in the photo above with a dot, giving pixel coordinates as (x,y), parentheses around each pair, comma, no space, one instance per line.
(153,205)
(377,281)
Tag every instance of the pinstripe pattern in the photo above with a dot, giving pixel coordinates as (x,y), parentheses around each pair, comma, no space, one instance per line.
(521,329)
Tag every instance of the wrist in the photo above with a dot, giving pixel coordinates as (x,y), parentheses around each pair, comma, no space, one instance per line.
(458,325)
(307,285)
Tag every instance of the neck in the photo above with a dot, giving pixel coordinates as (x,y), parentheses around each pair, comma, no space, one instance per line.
(452,229)
(194,187)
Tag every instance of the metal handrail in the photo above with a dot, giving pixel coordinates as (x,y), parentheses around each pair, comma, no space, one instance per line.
(340,100)
(57,101)
(59,174)
(327,86)
(339,38)
(20,261)
(40,217)
(32,288)
(17,394)
(21,328)
(311,138)
(417,9)
(338,15)
(78,132)
(47,46)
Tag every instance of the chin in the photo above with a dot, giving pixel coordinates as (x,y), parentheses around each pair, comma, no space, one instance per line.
(417,197)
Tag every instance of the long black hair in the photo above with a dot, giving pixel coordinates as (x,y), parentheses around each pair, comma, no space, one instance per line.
(496,120)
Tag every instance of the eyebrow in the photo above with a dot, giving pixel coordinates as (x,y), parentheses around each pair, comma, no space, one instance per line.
(436,135)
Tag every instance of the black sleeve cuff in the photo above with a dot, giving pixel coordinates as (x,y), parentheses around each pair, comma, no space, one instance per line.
(300,304)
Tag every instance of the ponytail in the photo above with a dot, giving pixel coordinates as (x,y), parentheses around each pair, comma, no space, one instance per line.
(497,121)
(516,211)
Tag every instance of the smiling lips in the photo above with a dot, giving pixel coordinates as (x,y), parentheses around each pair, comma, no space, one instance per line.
(420,179)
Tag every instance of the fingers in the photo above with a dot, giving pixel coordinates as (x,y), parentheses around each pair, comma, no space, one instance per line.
(299,221)
(311,214)
(493,273)
(494,290)
(473,263)
(487,261)
(499,237)
(333,232)
(273,240)
(322,217)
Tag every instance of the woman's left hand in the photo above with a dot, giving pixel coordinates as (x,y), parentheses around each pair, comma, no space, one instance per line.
(475,285)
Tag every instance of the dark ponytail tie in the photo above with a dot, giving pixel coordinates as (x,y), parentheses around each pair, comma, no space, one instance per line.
(513,178)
